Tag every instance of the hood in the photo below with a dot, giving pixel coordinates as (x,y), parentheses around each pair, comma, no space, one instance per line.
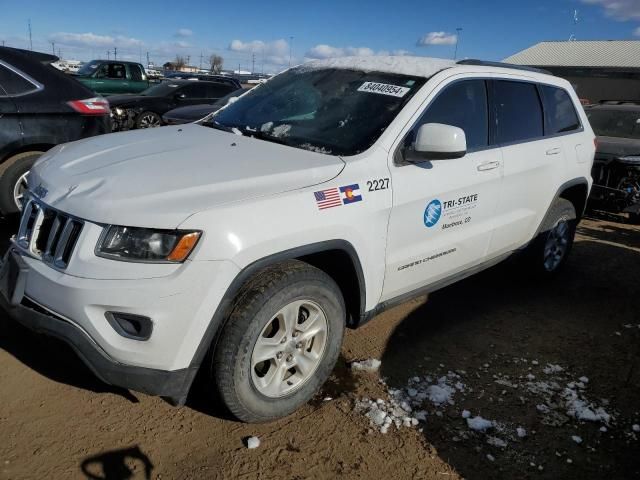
(158,177)
(618,146)
(119,100)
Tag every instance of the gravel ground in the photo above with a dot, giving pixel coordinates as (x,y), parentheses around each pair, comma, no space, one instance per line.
(508,378)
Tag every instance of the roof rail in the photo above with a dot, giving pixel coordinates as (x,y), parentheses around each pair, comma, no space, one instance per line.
(483,63)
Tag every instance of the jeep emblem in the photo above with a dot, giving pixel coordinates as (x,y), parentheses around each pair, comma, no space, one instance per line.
(40,191)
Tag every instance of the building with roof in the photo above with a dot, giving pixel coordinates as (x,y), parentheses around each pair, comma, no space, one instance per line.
(598,69)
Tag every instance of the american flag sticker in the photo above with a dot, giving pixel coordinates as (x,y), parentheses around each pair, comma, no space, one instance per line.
(328,198)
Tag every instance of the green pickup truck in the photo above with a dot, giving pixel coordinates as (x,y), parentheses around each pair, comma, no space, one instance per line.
(111,77)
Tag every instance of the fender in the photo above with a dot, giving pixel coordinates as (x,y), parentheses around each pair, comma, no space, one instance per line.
(566,185)
(222,310)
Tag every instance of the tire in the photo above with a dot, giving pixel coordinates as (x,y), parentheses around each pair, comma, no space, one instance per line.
(13,181)
(256,324)
(549,251)
(148,120)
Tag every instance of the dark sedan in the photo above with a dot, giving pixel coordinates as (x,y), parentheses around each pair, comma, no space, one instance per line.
(193,113)
(146,109)
(40,107)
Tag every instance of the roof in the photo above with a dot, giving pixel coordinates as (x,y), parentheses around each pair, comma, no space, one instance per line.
(403,65)
(596,53)
(9,53)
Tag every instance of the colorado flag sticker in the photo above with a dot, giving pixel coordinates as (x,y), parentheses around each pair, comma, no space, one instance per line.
(350,194)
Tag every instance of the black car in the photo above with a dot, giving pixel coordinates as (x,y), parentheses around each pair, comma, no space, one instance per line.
(40,107)
(616,168)
(146,109)
(203,77)
(193,113)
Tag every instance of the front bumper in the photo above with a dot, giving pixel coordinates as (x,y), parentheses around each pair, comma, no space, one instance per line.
(173,385)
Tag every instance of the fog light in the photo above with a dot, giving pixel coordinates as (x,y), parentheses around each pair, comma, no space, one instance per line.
(135,327)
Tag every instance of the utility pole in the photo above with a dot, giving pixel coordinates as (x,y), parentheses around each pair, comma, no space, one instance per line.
(147,59)
(30,40)
(290,48)
(458,32)
(53,47)
(253,63)
(188,59)
(115,53)
(201,60)
(3,43)
(108,55)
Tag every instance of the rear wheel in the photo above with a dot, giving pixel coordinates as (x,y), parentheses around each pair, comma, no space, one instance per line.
(148,120)
(280,343)
(13,182)
(550,249)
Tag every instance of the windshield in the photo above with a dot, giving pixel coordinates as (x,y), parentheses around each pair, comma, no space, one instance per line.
(161,90)
(341,112)
(615,123)
(89,68)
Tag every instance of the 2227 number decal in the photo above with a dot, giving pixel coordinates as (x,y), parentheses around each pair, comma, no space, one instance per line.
(375,185)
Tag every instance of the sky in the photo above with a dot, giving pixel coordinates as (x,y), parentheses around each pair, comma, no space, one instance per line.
(263,35)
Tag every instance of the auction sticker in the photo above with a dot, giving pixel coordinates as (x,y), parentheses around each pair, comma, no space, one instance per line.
(383,89)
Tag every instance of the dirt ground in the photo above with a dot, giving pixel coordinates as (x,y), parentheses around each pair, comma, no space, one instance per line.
(497,333)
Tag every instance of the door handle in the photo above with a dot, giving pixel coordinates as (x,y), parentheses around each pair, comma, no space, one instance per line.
(553,151)
(483,167)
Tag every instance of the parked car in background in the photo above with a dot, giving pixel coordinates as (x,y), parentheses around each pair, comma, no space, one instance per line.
(111,77)
(616,169)
(40,107)
(146,110)
(193,113)
(199,76)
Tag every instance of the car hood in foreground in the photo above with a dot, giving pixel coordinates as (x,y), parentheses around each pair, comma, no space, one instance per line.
(158,177)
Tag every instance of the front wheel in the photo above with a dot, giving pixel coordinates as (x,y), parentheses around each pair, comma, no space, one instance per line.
(549,250)
(13,182)
(148,120)
(280,342)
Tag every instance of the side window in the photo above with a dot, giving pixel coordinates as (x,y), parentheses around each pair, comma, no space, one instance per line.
(194,90)
(117,71)
(462,105)
(136,74)
(14,84)
(218,91)
(518,111)
(560,114)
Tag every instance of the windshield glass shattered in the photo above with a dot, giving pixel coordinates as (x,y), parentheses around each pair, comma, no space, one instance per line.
(615,123)
(334,111)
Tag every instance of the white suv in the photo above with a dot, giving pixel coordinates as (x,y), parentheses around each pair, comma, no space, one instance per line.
(244,244)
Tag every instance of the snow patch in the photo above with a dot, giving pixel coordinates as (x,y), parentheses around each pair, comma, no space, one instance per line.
(253,442)
(479,424)
(370,365)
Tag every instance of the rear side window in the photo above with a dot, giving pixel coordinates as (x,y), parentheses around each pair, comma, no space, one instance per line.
(194,90)
(518,111)
(463,105)
(13,83)
(218,91)
(136,73)
(560,114)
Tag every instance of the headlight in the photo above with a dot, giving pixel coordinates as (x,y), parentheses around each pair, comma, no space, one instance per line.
(119,111)
(146,244)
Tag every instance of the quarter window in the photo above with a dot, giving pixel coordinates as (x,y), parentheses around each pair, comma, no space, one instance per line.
(518,111)
(13,83)
(560,114)
(462,105)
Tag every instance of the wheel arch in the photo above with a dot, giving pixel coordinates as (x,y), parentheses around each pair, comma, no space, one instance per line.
(337,258)
(577,192)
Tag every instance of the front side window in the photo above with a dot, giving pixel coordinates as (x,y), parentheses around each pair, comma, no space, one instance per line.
(136,73)
(194,90)
(329,110)
(13,83)
(462,105)
(561,116)
(518,111)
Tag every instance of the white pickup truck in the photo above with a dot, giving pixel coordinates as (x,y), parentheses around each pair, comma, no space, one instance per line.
(245,244)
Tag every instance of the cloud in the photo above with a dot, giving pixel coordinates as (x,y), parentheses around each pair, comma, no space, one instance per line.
(636,32)
(322,51)
(181,44)
(271,53)
(183,32)
(92,40)
(619,9)
(437,38)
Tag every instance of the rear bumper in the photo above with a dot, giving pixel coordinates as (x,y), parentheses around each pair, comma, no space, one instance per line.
(173,385)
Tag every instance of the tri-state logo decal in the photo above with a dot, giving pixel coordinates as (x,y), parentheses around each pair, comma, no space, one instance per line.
(432,213)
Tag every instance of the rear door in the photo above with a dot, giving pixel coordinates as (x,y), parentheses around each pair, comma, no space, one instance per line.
(442,217)
(216,91)
(193,94)
(14,86)
(111,79)
(532,162)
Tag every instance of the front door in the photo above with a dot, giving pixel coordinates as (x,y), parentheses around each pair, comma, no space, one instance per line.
(442,216)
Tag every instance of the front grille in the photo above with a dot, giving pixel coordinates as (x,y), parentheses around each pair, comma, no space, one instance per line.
(48,234)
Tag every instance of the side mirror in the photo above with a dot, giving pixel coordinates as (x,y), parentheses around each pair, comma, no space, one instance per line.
(436,141)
